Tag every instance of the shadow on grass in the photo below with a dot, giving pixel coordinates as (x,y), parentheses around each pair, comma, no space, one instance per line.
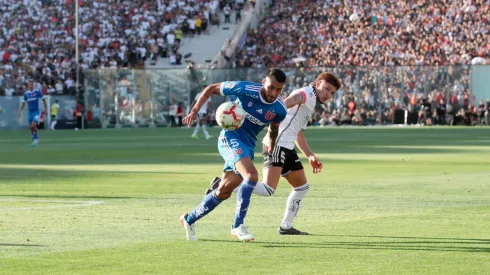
(402,237)
(63,197)
(437,244)
(26,245)
(34,176)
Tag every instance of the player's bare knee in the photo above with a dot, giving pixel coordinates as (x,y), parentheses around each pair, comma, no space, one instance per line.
(222,193)
(251,176)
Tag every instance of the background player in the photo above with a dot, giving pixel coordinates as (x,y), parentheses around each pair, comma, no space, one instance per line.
(284,159)
(263,106)
(202,116)
(32,98)
(54,113)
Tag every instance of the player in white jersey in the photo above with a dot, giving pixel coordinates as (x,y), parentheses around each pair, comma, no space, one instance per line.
(284,160)
(202,116)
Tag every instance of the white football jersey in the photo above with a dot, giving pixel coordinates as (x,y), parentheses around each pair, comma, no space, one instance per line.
(204,108)
(296,119)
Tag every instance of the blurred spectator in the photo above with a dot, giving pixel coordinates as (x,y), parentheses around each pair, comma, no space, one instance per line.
(372,33)
(37,38)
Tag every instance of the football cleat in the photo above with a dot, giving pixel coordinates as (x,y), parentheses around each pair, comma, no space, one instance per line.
(190,229)
(214,185)
(291,231)
(242,234)
(194,137)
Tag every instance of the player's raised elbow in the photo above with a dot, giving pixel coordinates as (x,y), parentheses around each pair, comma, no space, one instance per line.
(214,89)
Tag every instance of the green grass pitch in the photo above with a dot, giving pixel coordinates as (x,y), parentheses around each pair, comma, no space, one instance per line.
(389,201)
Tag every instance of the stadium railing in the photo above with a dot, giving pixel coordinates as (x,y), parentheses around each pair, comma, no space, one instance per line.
(142,98)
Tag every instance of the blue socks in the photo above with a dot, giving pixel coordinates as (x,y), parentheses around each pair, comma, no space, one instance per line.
(211,201)
(207,205)
(243,201)
(34,136)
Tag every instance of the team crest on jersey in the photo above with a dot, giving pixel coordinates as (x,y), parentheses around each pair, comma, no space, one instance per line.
(230,85)
(269,115)
(250,104)
(238,151)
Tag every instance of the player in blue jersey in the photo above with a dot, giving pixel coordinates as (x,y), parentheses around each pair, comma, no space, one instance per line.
(32,97)
(263,106)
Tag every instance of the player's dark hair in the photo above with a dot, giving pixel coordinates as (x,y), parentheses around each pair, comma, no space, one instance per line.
(277,74)
(330,78)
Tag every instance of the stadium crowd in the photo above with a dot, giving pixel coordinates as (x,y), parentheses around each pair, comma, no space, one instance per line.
(377,48)
(313,33)
(37,41)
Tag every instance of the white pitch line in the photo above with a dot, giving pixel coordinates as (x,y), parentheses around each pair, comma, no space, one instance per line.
(69,204)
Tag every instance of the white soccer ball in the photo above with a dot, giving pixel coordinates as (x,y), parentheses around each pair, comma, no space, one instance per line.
(230,116)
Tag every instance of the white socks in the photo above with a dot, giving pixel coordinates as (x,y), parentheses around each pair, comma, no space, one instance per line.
(196,130)
(293,204)
(205,130)
(261,189)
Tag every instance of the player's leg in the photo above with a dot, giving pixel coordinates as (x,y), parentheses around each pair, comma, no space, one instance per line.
(205,128)
(198,126)
(34,120)
(230,181)
(297,179)
(273,167)
(250,176)
(213,199)
(53,122)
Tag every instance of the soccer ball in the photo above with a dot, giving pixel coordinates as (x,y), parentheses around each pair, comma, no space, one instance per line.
(230,116)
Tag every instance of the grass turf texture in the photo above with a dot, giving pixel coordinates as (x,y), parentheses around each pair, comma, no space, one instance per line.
(392,201)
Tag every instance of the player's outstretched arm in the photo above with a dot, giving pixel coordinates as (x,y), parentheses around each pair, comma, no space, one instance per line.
(273,132)
(303,146)
(21,108)
(295,99)
(213,89)
(45,106)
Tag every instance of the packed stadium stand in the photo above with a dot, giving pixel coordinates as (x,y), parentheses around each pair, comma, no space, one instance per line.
(394,57)
(37,41)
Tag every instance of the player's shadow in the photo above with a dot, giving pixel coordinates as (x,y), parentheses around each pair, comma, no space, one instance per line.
(401,237)
(26,245)
(26,175)
(64,197)
(417,244)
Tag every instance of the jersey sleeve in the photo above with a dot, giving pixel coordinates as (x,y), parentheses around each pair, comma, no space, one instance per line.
(230,87)
(25,98)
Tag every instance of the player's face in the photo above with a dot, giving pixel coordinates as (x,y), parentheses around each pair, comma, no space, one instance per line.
(272,89)
(30,86)
(324,90)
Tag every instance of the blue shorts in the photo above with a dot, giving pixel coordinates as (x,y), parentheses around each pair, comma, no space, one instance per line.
(34,117)
(233,150)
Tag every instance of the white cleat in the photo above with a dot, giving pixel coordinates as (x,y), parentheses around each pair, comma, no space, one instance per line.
(242,234)
(189,229)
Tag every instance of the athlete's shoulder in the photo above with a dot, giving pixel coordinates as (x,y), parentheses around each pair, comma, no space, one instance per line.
(240,88)
(243,85)
(280,107)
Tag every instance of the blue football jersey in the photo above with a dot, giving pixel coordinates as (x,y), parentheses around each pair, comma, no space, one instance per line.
(32,98)
(259,113)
